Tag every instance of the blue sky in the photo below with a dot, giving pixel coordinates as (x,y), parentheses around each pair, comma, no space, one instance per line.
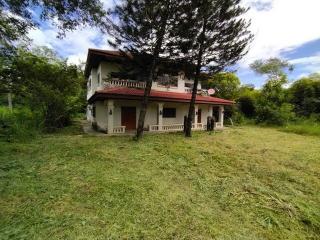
(282,28)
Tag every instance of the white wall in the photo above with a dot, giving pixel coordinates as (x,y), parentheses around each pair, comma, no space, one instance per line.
(151,116)
(101,115)
(152,113)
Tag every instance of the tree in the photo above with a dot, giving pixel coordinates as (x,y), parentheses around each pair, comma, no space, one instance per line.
(16,17)
(144,29)
(305,95)
(213,36)
(47,85)
(247,100)
(226,84)
(274,68)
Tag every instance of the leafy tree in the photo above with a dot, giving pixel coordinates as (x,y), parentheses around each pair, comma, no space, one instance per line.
(144,28)
(16,17)
(247,100)
(213,35)
(305,95)
(272,106)
(274,68)
(47,84)
(226,84)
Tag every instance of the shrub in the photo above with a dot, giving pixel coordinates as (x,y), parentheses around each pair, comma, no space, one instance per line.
(247,106)
(19,124)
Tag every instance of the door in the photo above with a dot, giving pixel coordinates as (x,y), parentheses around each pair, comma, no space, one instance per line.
(128,117)
(199,115)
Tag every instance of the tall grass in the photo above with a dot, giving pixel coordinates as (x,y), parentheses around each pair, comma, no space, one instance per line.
(305,127)
(18,124)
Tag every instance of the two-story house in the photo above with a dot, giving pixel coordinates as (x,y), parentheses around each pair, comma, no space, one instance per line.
(114,104)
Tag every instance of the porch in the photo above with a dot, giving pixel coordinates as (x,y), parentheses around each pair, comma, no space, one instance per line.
(115,116)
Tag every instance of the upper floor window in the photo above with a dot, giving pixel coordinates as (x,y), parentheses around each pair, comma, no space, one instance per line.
(169,112)
(99,78)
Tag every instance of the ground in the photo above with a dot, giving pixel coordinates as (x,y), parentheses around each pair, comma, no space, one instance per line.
(243,183)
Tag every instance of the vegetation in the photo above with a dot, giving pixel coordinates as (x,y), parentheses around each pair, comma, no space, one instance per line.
(243,183)
(45,88)
(214,35)
(17,17)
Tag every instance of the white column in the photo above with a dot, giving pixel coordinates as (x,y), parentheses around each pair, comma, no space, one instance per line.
(210,111)
(160,115)
(110,114)
(196,107)
(221,115)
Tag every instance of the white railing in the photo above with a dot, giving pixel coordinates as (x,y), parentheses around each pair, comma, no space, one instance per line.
(166,128)
(173,127)
(119,129)
(198,126)
(124,83)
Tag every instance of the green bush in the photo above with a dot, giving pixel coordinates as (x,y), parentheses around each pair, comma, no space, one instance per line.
(19,124)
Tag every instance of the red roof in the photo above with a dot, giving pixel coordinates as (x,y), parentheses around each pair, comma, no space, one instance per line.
(134,93)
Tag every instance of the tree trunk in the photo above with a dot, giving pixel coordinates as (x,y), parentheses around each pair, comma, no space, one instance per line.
(196,81)
(10,101)
(145,100)
(151,76)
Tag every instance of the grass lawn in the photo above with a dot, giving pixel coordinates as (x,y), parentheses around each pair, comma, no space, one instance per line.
(243,183)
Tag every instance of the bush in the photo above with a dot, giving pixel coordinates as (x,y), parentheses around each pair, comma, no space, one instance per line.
(274,115)
(19,124)
(247,106)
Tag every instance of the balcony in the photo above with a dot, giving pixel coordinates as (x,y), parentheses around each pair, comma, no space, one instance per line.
(124,83)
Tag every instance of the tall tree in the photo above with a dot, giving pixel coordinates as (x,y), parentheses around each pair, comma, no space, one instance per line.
(143,27)
(226,84)
(214,36)
(274,68)
(272,106)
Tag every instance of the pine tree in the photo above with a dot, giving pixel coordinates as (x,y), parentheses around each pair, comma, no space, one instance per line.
(144,27)
(214,36)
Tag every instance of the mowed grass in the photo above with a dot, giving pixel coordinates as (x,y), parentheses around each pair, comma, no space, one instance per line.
(243,183)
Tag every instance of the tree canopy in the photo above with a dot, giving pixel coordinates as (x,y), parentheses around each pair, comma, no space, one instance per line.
(17,17)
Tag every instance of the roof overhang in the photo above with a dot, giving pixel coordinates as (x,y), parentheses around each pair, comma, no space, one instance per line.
(95,56)
(155,96)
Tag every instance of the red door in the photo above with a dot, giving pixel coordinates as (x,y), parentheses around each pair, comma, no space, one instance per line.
(128,117)
(199,115)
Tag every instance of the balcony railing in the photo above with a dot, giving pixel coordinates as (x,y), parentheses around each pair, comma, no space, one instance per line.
(124,83)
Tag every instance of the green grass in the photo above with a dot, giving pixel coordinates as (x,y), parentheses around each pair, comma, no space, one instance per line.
(304,128)
(243,183)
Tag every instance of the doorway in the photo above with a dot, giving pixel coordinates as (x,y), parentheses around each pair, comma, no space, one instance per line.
(128,117)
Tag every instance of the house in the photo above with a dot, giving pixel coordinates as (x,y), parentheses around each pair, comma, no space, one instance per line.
(114,103)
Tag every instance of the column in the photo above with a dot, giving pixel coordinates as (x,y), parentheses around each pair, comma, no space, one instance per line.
(196,107)
(160,115)
(221,115)
(210,111)
(110,114)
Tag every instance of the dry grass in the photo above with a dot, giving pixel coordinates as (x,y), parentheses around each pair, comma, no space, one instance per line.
(243,183)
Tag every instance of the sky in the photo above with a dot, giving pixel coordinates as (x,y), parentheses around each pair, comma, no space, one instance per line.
(288,29)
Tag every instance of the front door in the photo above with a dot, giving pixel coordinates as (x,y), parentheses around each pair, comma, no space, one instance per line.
(199,115)
(128,117)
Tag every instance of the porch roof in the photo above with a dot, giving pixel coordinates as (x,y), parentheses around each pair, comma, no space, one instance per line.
(136,94)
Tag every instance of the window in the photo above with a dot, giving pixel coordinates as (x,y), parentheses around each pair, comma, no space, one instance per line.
(99,78)
(169,112)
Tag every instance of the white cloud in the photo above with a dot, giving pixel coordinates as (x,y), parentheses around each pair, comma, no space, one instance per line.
(74,45)
(284,26)
(278,25)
